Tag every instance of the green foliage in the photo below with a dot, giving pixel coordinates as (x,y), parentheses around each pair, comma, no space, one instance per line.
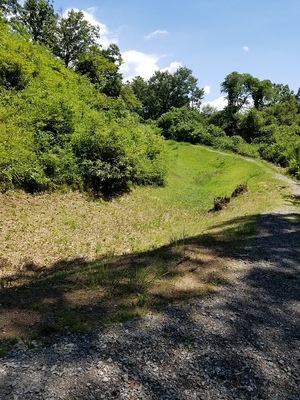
(19,166)
(294,160)
(283,149)
(240,88)
(58,129)
(165,90)
(75,36)
(186,125)
(112,157)
(270,128)
(16,65)
(101,70)
(284,113)
(251,125)
(9,6)
(39,18)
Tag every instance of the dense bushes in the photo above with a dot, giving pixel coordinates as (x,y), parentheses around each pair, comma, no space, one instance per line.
(112,157)
(186,125)
(57,129)
(271,132)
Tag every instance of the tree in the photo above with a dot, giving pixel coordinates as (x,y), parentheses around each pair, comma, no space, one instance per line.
(282,93)
(9,7)
(75,37)
(40,19)
(101,67)
(251,125)
(261,92)
(244,90)
(139,88)
(237,90)
(207,110)
(165,90)
(241,88)
(185,90)
(113,54)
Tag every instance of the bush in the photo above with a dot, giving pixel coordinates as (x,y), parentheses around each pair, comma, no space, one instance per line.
(240,189)
(220,203)
(113,158)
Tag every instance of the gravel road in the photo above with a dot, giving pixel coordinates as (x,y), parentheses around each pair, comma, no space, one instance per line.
(241,343)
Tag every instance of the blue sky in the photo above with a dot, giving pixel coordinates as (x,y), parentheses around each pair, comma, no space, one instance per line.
(211,37)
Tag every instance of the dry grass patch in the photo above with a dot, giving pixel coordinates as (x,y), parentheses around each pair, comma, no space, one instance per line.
(77,295)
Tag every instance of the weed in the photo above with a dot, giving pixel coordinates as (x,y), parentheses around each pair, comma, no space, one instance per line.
(220,203)
(216,278)
(3,352)
(142,300)
(240,189)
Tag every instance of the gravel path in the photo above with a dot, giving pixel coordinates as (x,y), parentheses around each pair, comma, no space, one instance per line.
(242,343)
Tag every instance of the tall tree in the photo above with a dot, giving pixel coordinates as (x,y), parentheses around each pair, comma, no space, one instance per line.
(282,93)
(241,88)
(165,90)
(75,37)
(237,90)
(262,92)
(102,69)
(40,19)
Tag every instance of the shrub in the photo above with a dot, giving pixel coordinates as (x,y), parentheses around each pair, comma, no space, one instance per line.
(220,203)
(240,189)
(112,158)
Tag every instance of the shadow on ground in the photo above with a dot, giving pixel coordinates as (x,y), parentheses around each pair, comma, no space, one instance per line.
(243,340)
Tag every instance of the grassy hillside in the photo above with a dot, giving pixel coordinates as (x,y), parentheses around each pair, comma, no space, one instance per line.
(49,227)
(68,262)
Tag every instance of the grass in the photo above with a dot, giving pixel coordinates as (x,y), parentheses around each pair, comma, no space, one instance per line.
(69,263)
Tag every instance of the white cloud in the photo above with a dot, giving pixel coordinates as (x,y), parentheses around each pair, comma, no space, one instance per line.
(157,32)
(106,37)
(173,67)
(245,48)
(91,10)
(138,63)
(220,103)
(206,89)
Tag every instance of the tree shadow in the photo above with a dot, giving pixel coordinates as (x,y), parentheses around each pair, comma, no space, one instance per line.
(241,342)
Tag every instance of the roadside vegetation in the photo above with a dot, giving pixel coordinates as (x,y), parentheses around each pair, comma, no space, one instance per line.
(117,198)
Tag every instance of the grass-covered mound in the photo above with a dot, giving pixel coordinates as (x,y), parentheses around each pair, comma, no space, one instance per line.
(57,129)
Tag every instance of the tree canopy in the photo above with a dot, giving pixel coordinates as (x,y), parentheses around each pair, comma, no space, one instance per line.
(39,18)
(244,89)
(165,90)
(75,36)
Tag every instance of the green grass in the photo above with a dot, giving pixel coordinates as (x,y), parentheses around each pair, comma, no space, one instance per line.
(197,175)
(69,263)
